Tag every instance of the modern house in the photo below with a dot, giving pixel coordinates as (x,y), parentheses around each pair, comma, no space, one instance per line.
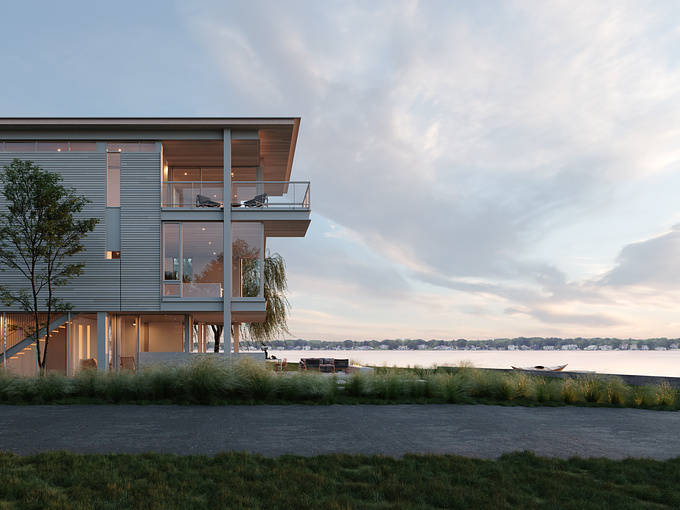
(176,199)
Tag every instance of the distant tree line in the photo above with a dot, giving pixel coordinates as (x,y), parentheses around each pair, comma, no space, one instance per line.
(534,343)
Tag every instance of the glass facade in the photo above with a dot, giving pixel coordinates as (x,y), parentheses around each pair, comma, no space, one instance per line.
(193,261)
(246,255)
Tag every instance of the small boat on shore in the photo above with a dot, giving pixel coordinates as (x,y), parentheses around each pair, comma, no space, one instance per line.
(556,368)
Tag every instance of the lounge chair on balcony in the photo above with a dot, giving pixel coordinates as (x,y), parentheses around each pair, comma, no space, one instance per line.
(202,201)
(257,201)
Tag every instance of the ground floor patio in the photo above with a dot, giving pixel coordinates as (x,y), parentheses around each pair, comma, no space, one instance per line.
(115,341)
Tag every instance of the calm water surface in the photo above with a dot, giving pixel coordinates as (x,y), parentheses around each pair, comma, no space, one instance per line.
(660,363)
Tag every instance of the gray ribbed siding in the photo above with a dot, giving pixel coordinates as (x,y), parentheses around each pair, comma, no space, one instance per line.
(140,203)
(98,288)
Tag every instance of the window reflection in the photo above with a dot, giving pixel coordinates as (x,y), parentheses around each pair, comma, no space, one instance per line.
(246,259)
(193,257)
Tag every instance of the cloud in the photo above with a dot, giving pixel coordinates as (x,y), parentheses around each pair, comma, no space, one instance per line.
(652,263)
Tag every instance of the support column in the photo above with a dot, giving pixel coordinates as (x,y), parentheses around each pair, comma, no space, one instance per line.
(69,362)
(139,328)
(226,249)
(188,333)
(237,337)
(102,337)
(4,342)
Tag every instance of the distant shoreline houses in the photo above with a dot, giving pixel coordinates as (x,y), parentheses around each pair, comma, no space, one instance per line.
(516,344)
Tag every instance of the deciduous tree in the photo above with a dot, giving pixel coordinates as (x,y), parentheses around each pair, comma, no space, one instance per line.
(39,232)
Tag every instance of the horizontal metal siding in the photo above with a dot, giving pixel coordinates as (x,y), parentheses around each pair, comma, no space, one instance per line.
(140,205)
(98,288)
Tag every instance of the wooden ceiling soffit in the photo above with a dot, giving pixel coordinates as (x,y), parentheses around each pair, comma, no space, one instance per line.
(245,153)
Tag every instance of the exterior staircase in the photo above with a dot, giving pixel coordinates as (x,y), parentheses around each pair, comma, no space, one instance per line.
(20,349)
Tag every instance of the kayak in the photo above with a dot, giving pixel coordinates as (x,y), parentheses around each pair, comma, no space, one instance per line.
(556,368)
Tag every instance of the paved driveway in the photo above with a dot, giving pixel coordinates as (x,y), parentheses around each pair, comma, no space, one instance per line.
(475,431)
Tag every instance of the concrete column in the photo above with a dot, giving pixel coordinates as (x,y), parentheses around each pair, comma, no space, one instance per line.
(4,342)
(188,333)
(226,249)
(139,328)
(69,362)
(102,337)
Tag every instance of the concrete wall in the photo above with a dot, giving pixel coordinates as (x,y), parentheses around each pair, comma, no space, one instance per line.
(147,359)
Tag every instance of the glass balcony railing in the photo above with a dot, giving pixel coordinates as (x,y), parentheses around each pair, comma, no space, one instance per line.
(270,194)
(193,194)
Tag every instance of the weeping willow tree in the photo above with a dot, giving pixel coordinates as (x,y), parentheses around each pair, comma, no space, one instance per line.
(274,288)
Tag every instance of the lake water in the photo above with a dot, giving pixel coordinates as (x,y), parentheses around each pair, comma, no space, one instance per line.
(659,363)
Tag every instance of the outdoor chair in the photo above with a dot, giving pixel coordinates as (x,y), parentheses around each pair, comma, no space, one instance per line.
(203,201)
(327,365)
(88,363)
(312,364)
(127,363)
(281,367)
(257,201)
(341,365)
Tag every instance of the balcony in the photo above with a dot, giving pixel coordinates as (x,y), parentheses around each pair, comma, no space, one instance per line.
(193,194)
(288,195)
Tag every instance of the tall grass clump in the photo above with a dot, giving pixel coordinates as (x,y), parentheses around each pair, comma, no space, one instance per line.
(252,380)
(454,388)
(665,394)
(307,386)
(593,390)
(543,389)
(570,391)
(51,387)
(205,380)
(124,386)
(357,385)
(644,396)
(162,381)
(618,392)
(88,383)
(8,389)
(392,385)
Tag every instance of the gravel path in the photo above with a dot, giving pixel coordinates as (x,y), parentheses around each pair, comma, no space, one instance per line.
(475,431)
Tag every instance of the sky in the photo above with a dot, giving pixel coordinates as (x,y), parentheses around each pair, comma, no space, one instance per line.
(479,169)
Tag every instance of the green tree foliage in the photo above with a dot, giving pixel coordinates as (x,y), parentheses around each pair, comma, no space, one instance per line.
(38,234)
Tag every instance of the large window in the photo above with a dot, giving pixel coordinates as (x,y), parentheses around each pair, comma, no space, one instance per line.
(113,179)
(246,252)
(193,261)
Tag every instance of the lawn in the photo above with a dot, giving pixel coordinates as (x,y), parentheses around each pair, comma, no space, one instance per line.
(241,480)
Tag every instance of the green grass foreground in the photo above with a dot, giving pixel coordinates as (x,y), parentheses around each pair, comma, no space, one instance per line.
(209,382)
(240,480)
